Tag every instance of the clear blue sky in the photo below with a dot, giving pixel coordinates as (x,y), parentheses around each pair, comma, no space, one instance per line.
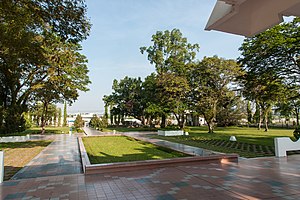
(121,27)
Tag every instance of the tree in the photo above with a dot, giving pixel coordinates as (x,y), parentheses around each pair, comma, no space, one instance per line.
(28,29)
(59,116)
(172,55)
(289,105)
(65,115)
(94,122)
(79,122)
(271,60)
(210,80)
(249,112)
(276,50)
(172,92)
(231,110)
(265,89)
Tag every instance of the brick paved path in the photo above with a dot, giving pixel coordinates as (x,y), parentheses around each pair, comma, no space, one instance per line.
(61,157)
(264,178)
(58,176)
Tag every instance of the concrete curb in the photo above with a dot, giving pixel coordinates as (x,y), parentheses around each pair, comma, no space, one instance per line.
(89,168)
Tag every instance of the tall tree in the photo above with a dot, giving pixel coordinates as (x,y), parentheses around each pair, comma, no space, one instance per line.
(172,55)
(59,116)
(265,89)
(79,122)
(65,115)
(127,95)
(27,28)
(276,50)
(209,80)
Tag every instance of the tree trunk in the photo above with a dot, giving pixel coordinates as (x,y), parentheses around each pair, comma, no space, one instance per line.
(260,119)
(196,120)
(43,118)
(163,121)
(266,121)
(180,120)
(297,117)
(210,127)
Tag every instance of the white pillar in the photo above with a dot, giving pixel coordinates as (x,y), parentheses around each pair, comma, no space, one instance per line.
(1,166)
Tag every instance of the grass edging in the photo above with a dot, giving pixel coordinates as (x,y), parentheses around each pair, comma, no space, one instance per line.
(89,168)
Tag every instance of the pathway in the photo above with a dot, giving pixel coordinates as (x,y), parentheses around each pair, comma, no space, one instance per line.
(264,178)
(61,157)
(91,132)
(58,176)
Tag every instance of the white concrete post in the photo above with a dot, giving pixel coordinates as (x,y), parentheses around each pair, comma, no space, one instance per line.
(1,166)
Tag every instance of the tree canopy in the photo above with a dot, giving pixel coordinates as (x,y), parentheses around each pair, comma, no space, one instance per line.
(39,54)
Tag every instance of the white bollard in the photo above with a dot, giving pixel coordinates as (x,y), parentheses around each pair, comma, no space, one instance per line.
(1,166)
(232,138)
(114,131)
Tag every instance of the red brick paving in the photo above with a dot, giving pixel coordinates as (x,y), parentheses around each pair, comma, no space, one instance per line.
(264,178)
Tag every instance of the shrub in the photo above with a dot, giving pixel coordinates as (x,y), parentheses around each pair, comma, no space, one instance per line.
(171,127)
(297,133)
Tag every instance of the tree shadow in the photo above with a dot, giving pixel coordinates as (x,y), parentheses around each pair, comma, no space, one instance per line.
(10,171)
(27,144)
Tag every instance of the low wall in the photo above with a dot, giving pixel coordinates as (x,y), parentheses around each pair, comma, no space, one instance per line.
(170,133)
(284,144)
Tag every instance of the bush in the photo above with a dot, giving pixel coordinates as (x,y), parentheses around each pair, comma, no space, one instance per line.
(171,127)
(297,133)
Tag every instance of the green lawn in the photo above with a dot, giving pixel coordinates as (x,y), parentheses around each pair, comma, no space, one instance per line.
(250,141)
(18,154)
(37,130)
(122,149)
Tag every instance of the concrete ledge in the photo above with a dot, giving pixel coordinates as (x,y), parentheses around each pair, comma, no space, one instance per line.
(149,164)
(89,168)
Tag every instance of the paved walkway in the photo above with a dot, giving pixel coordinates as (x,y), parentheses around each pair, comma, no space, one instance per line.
(61,157)
(58,176)
(264,178)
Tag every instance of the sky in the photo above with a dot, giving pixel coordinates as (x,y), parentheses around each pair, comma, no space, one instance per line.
(121,27)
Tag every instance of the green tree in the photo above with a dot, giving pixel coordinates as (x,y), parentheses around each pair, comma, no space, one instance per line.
(172,92)
(126,99)
(26,36)
(276,50)
(265,89)
(209,80)
(172,55)
(249,112)
(271,60)
(79,122)
(59,116)
(65,115)
(94,122)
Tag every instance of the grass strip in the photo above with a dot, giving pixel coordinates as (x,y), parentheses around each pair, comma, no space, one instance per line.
(113,149)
